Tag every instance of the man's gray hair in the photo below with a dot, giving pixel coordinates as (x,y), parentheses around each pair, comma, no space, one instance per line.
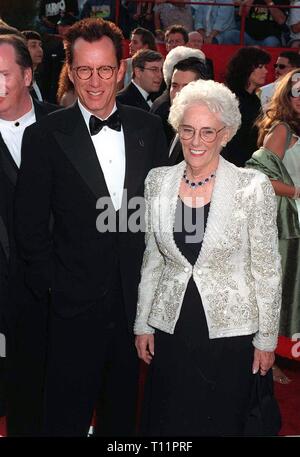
(216,96)
(176,55)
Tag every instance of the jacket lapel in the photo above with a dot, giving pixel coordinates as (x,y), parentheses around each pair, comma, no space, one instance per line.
(220,208)
(9,166)
(168,203)
(4,238)
(74,139)
(135,143)
(137,96)
(38,110)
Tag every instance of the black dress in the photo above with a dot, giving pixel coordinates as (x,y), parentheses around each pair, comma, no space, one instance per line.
(196,386)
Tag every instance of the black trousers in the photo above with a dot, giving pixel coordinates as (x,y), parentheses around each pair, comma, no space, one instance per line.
(26,357)
(91,364)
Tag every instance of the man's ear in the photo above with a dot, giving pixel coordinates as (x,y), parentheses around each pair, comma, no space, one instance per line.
(28,77)
(121,71)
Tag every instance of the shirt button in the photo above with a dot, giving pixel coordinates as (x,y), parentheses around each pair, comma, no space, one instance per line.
(104,128)
(114,194)
(110,161)
(199,272)
(186,269)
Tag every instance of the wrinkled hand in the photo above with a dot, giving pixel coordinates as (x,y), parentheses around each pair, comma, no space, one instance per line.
(262,361)
(145,347)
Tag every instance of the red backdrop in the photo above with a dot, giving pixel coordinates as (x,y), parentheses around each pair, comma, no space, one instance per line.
(220,55)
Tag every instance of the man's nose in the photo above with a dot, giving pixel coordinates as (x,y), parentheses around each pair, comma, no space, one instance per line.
(95,79)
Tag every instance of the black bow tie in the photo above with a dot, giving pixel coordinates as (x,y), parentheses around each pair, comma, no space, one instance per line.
(113,122)
(151,97)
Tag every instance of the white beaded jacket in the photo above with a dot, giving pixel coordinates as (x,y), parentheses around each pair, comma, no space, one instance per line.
(238,271)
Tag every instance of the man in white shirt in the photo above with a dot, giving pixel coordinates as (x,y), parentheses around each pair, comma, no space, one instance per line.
(146,79)
(84,161)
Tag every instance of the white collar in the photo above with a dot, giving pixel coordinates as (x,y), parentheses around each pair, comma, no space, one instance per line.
(21,120)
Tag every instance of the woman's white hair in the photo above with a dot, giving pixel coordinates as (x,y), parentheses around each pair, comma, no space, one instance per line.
(216,96)
(176,55)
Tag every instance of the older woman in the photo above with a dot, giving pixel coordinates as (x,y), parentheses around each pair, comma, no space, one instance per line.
(279,158)
(209,296)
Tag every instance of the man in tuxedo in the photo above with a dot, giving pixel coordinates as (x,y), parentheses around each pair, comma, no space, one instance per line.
(17,111)
(35,48)
(146,79)
(161,105)
(85,160)
(4,257)
(184,72)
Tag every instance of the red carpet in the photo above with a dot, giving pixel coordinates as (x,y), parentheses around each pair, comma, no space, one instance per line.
(288,396)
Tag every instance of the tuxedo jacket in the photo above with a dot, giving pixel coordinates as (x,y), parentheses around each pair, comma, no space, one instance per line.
(238,270)
(131,96)
(9,171)
(60,174)
(161,107)
(175,152)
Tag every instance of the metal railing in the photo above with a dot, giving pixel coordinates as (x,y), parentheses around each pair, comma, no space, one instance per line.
(243,10)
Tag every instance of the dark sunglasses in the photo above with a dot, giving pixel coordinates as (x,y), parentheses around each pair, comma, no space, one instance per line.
(281,66)
(294,95)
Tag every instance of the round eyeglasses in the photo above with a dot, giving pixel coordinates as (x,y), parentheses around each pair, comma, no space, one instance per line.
(85,72)
(156,70)
(207,134)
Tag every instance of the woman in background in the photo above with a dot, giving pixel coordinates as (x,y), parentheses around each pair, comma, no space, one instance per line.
(279,158)
(245,74)
(66,94)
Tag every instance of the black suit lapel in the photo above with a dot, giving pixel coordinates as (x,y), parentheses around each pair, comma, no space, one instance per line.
(9,165)
(176,154)
(41,109)
(38,110)
(134,152)
(137,96)
(75,141)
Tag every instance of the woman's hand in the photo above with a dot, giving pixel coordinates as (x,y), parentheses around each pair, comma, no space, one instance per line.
(263,361)
(145,347)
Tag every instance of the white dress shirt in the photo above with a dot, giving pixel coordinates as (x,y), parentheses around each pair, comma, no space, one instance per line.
(12,133)
(143,93)
(110,149)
